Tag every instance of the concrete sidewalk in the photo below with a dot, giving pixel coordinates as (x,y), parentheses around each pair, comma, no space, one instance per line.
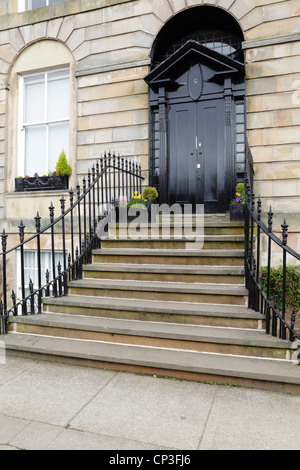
(48,406)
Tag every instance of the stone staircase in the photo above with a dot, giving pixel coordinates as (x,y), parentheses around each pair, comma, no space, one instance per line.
(162,306)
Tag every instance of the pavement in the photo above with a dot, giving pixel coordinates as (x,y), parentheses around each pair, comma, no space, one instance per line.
(54,406)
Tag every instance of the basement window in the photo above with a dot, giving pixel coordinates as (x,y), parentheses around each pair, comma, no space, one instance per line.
(31,268)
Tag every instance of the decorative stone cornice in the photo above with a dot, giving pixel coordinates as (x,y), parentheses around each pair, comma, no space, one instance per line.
(272,41)
(58,10)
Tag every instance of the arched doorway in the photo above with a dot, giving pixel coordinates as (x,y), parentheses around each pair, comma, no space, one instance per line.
(197,111)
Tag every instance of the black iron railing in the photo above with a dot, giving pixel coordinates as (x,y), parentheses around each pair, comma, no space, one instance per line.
(73,233)
(262,242)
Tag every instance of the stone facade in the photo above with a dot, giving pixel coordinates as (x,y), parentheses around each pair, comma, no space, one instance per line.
(107,44)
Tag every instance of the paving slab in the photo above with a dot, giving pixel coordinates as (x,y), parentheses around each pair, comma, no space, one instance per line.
(161,412)
(50,393)
(102,410)
(252,420)
(71,439)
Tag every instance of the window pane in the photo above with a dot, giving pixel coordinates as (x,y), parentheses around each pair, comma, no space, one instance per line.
(58,99)
(38,3)
(46,99)
(58,141)
(35,146)
(32,4)
(34,108)
(30,268)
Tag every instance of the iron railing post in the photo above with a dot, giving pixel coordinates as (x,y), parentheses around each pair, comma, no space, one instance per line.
(54,285)
(38,242)
(4,284)
(284,227)
(62,205)
(21,235)
(270,226)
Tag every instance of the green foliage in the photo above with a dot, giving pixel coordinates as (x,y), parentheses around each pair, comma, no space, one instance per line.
(150,193)
(292,292)
(62,167)
(239,194)
(137,201)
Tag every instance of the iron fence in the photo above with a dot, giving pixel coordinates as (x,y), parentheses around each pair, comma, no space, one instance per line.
(261,241)
(73,233)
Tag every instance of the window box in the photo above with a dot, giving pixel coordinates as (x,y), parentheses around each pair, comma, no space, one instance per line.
(41,183)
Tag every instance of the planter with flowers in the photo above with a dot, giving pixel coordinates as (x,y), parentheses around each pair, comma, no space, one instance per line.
(237,206)
(127,211)
(55,180)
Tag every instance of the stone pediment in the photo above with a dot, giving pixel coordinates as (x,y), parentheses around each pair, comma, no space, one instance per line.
(192,51)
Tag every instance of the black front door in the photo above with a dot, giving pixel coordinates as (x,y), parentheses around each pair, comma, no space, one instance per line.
(193,95)
(197,156)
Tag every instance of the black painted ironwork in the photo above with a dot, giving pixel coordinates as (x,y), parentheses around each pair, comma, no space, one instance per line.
(41,183)
(259,235)
(73,233)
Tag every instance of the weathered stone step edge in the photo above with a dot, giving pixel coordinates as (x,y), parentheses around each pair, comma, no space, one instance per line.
(280,371)
(154,286)
(160,307)
(166,268)
(170,238)
(188,223)
(237,336)
(166,252)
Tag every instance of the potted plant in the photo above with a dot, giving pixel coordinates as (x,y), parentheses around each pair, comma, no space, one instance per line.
(62,166)
(139,202)
(55,180)
(237,205)
(150,195)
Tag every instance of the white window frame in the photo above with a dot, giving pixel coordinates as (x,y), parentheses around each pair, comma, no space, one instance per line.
(22,5)
(44,253)
(21,117)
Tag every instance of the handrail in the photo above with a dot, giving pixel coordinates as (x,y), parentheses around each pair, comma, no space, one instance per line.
(113,177)
(258,286)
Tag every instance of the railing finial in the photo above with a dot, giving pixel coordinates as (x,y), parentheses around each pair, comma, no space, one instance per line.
(284,227)
(270,220)
(4,241)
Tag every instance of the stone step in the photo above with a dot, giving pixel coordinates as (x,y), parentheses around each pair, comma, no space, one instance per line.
(181,292)
(254,343)
(169,273)
(279,375)
(179,229)
(233,316)
(177,257)
(222,242)
(215,218)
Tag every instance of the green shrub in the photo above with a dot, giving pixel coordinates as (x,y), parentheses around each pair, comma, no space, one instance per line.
(292,293)
(150,193)
(62,167)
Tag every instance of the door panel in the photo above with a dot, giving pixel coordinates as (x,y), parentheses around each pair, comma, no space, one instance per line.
(210,153)
(212,181)
(182,161)
(197,154)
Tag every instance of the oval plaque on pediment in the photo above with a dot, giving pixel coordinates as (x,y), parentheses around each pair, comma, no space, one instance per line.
(195,81)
